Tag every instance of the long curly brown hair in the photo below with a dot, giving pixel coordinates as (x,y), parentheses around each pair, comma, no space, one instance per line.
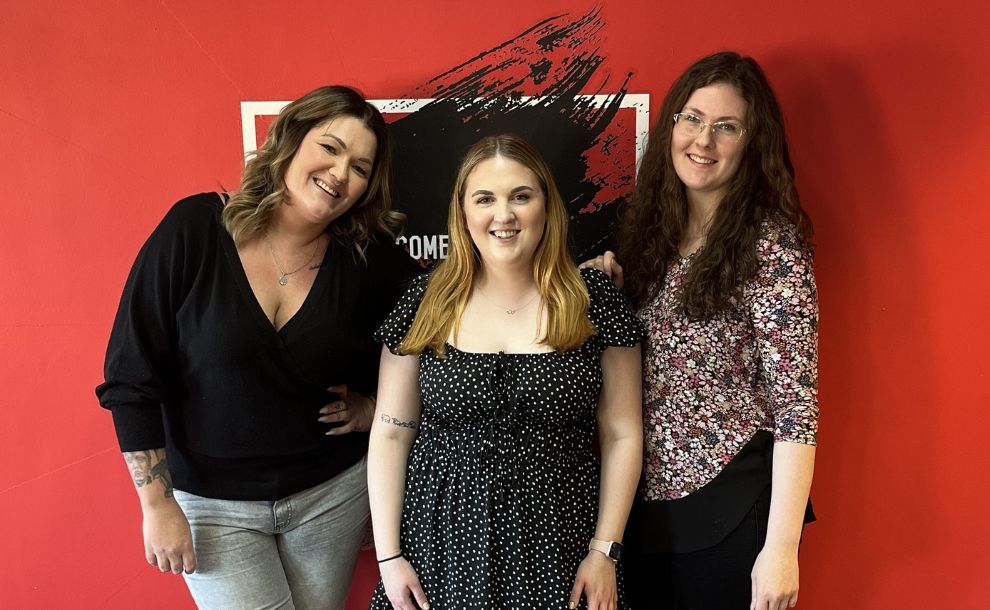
(652,223)
(262,189)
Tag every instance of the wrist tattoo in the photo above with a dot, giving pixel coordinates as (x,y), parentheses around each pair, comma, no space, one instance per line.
(149,466)
(388,419)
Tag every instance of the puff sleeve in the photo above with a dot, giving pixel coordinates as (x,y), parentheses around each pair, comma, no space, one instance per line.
(617,325)
(397,324)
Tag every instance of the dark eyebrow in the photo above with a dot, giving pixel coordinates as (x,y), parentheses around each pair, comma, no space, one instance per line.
(481,192)
(701,114)
(344,146)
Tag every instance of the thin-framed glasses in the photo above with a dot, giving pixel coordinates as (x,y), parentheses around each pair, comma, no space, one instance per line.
(722,131)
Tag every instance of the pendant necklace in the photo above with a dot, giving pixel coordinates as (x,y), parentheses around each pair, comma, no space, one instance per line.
(513,311)
(283,277)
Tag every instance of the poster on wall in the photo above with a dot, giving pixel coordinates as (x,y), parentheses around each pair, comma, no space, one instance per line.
(534,84)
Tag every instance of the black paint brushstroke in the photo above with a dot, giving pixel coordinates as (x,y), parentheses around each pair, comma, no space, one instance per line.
(555,61)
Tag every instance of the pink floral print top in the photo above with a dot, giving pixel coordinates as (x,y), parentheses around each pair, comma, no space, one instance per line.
(710,385)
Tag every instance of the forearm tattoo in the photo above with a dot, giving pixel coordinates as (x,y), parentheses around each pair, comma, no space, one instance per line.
(148,466)
(388,419)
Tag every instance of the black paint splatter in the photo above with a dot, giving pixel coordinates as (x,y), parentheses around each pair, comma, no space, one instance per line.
(554,60)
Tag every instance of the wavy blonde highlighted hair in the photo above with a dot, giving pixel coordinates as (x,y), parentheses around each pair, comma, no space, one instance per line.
(564,292)
(262,189)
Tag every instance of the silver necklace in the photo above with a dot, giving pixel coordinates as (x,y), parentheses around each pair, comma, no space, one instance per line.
(283,277)
(511,312)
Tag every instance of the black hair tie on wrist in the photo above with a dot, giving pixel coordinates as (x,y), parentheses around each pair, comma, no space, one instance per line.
(390,558)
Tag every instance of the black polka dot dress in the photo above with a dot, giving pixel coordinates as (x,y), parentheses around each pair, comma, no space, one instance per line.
(502,484)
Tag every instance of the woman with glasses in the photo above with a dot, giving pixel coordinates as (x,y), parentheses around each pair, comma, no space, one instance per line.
(718,264)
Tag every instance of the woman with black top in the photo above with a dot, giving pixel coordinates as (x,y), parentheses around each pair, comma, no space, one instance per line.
(718,264)
(241,365)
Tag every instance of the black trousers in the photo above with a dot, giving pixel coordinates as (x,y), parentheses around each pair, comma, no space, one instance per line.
(716,578)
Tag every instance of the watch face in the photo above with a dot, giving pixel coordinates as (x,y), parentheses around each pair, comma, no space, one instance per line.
(615,551)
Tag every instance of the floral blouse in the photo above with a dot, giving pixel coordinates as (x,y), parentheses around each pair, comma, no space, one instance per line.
(710,385)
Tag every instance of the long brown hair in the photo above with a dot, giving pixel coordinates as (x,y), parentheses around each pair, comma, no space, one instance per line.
(262,190)
(556,276)
(653,222)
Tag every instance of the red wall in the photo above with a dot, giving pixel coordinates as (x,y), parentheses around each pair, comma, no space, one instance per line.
(111,111)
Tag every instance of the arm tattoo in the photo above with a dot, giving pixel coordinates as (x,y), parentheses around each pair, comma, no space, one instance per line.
(148,466)
(388,419)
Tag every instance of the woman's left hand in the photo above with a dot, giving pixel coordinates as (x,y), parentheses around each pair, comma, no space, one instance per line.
(775,578)
(352,411)
(596,580)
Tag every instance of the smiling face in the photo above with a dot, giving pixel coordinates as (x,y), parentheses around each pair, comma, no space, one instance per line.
(330,171)
(505,211)
(704,164)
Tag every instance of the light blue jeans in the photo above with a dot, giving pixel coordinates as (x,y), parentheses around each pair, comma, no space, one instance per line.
(297,553)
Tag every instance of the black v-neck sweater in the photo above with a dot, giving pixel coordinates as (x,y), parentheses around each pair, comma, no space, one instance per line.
(194,364)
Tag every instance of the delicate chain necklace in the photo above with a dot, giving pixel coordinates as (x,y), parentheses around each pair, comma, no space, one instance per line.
(511,312)
(283,278)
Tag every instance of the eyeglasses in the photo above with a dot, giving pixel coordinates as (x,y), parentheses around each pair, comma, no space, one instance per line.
(722,131)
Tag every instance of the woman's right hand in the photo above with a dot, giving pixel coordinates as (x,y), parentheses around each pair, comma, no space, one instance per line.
(400,580)
(167,538)
(606,262)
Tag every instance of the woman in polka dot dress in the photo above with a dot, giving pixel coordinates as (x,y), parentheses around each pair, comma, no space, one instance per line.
(485,490)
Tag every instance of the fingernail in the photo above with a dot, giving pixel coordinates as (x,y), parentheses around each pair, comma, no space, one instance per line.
(426,606)
(571,605)
(331,432)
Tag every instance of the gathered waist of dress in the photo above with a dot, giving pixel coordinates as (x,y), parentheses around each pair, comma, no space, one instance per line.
(566,441)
